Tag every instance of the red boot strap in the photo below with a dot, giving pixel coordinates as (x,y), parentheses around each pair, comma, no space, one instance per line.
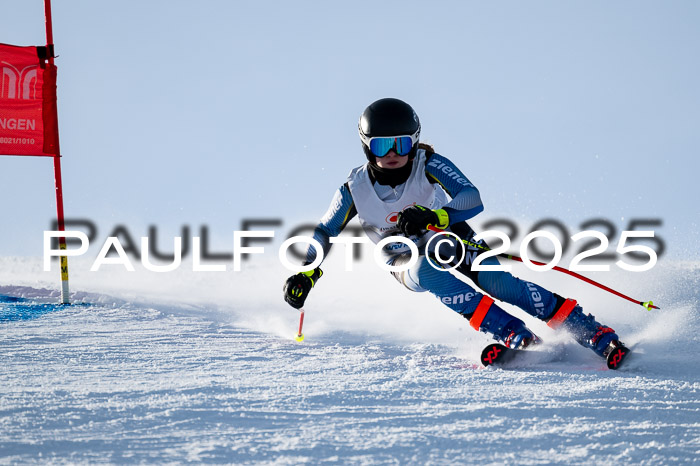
(560,316)
(481,310)
(601,331)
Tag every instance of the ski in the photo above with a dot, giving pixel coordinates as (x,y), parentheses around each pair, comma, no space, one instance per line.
(497,354)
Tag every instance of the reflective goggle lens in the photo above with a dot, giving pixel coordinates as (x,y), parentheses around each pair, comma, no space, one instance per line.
(402,145)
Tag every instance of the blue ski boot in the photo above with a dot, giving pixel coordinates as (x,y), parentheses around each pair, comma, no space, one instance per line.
(512,331)
(584,328)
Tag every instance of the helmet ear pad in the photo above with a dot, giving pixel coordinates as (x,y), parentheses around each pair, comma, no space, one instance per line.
(371,158)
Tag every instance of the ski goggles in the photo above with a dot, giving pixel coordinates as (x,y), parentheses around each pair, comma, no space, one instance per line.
(380,146)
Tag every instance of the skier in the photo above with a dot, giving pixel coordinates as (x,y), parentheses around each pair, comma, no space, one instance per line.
(403,189)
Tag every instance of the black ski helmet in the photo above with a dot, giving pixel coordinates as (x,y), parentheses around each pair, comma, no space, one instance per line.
(388,117)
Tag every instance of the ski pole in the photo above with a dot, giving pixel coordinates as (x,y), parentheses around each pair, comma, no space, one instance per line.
(648,305)
(300,336)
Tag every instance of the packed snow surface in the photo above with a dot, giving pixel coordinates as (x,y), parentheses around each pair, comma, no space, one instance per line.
(203,368)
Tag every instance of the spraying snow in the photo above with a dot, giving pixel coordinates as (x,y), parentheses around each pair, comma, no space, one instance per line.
(203,367)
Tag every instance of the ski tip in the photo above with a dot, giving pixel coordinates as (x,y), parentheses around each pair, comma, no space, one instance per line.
(492,354)
(616,357)
(299,337)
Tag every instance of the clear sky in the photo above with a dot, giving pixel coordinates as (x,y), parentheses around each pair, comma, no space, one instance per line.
(187,113)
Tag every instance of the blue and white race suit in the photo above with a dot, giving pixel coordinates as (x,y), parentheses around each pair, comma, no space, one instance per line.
(437,183)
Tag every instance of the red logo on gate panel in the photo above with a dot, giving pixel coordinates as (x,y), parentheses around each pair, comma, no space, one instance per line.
(18,84)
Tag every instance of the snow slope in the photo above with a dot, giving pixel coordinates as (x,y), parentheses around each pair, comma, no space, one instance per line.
(185,367)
